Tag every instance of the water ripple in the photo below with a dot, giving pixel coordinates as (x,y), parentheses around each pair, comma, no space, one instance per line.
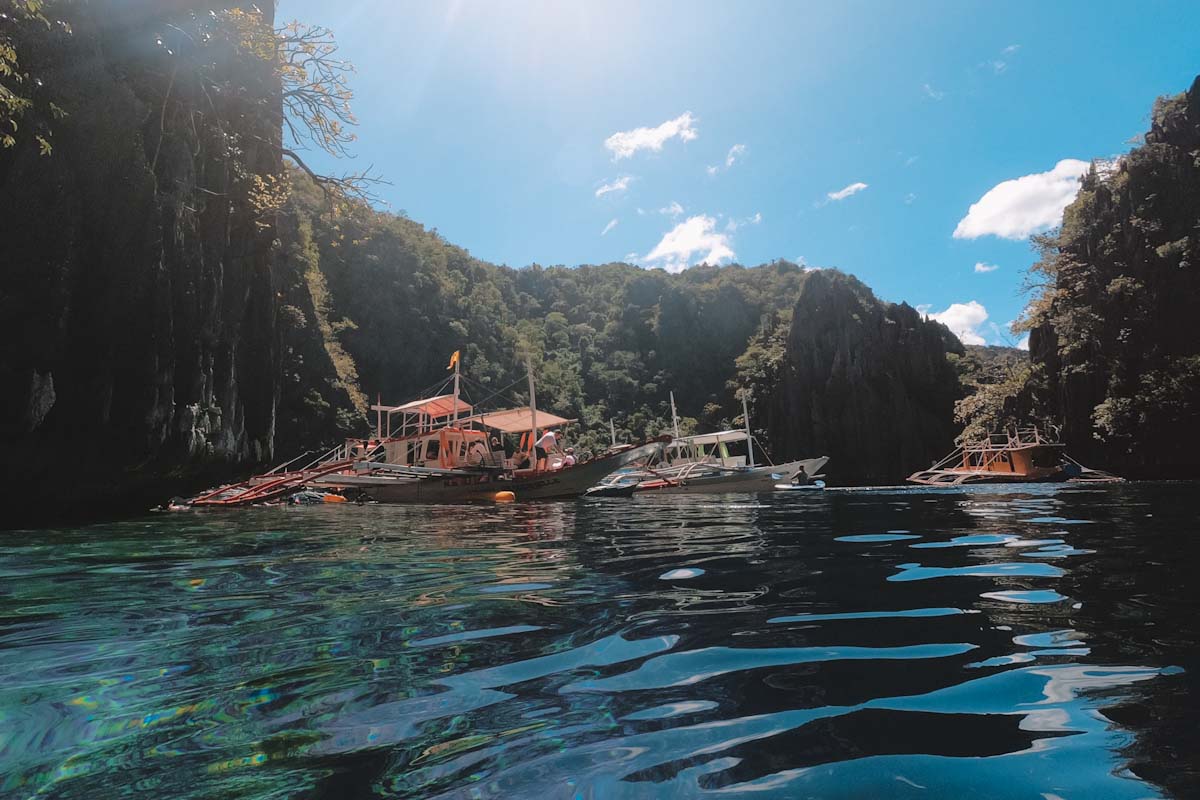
(772,646)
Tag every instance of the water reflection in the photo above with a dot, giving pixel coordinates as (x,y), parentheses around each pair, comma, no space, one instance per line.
(937,643)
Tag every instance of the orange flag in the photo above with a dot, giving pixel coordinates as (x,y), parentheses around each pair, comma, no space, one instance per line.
(453,360)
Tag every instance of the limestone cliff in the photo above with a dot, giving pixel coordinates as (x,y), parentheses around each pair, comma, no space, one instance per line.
(1115,350)
(138,309)
(863,381)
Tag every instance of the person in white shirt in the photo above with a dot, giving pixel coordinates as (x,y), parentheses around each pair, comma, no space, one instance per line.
(542,447)
(569,458)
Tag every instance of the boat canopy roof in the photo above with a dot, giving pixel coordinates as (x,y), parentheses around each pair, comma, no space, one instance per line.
(517,420)
(434,407)
(705,439)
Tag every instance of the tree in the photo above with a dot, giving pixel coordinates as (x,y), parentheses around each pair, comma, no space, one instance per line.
(24,109)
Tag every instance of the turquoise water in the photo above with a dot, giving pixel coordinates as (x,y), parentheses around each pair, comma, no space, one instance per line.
(992,643)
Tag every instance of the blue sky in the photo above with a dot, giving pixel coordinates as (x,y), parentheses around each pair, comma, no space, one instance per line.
(850,134)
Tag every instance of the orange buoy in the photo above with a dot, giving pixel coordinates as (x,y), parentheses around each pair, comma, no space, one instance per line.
(504,497)
(334,498)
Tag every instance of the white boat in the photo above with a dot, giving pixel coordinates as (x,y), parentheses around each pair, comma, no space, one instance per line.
(708,463)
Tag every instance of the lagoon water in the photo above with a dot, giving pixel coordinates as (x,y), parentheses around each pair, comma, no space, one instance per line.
(996,642)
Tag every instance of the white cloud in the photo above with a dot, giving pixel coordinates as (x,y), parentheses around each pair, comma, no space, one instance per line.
(671,209)
(982,267)
(999,65)
(611,224)
(615,187)
(932,93)
(732,157)
(1018,208)
(624,144)
(908,162)
(1024,343)
(694,239)
(735,152)
(733,224)
(963,320)
(910,198)
(852,189)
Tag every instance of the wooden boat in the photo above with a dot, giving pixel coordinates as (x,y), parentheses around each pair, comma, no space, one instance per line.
(1019,455)
(436,450)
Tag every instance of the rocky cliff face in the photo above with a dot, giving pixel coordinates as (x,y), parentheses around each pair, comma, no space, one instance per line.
(865,382)
(1114,344)
(137,294)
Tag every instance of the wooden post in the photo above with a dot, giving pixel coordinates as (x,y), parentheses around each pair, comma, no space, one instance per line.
(749,437)
(533,431)
(455,390)
(674,419)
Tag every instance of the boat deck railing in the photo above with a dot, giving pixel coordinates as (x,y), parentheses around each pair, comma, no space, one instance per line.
(1009,439)
(990,449)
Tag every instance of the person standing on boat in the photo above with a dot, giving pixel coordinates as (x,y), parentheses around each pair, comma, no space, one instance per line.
(542,447)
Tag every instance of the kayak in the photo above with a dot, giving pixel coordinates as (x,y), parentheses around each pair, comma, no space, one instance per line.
(799,487)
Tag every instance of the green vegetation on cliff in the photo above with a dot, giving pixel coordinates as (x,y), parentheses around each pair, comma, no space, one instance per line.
(176,296)
(1113,337)
(609,341)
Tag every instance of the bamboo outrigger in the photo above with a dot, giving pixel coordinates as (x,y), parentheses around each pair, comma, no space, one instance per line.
(1018,455)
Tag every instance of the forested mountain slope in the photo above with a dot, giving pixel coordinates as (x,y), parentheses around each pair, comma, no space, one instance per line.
(607,341)
(177,304)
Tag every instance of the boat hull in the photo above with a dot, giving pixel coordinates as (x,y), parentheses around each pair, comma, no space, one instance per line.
(756,479)
(562,483)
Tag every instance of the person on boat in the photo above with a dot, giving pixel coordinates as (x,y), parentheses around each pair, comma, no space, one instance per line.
(521,460)
(543,446)
(568,459)
(800,478)
(477,453)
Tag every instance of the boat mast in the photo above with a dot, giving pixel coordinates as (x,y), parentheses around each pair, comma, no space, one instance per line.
(749,438)
(532,402)
(674,419)
(455,388)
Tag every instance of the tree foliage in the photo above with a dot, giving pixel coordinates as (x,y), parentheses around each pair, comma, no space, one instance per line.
(608,341)
(25,109)
(1112,317)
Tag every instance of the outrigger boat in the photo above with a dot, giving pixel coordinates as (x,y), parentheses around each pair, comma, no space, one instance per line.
(1018,455)
(436,450)
(704,464)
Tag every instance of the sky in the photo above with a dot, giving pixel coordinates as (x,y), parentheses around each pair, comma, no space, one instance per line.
(915,145)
